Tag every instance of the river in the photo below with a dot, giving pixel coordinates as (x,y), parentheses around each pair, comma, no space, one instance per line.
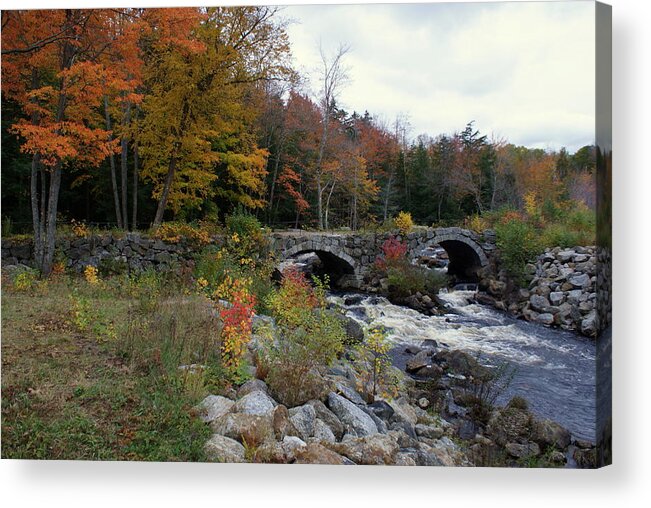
(554,369)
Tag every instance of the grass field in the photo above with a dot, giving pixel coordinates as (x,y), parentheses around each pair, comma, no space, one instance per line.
(91,371)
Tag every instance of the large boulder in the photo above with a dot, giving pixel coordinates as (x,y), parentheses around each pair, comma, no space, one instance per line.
(254,429)
(356,422)
(549,433)
(213,407)
(329,418)
(509,425)
(255,403)
(315,453)
(304,419)
(224,449)
(420,360)
(291,445)
(462,363)
(522,450)
(378,449)
(282,424)
(539,303)
(322,432)
(442,452)
(253,385)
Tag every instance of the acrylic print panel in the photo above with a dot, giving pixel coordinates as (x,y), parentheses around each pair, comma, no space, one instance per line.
(225,241)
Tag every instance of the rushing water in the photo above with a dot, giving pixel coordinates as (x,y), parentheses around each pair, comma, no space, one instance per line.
(555,370)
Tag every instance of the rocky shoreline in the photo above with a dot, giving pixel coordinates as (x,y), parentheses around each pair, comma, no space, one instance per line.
(561,290)
(436,419)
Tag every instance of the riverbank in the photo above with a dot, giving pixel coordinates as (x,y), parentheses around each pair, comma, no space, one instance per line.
(561,290)
(444,414)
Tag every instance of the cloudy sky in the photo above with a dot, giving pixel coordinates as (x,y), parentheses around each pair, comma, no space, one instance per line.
(522,71)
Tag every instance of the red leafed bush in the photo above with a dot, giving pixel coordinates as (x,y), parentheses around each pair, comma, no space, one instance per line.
(393,251)
(236,333)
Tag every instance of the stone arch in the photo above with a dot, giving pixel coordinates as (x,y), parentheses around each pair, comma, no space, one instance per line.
(342,268)
(465,255)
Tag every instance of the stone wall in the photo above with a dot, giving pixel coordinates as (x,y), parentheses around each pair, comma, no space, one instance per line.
(562,290)
(130,252)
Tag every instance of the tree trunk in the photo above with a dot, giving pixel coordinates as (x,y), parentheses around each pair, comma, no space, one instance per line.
(114,181)
(388,194)
(123,163)
(50,231)
(327,208)
(134,216)
(36,216)
(273,181)
(162,203)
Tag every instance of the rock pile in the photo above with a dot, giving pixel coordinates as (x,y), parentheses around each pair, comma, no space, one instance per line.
(431,422)
(562,290)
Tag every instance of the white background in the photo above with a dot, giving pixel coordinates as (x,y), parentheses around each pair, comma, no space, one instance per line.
(626,483)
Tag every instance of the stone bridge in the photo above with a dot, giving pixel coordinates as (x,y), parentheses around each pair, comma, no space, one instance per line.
(348,256)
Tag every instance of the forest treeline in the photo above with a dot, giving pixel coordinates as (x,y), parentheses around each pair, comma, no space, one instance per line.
(130,117)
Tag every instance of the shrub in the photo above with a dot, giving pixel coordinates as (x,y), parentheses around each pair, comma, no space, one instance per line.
(174,232)
(309,339)
(404,222)
(236,332)
(25,280)
(90,274)
(374,366)
(406,279)
(519,244)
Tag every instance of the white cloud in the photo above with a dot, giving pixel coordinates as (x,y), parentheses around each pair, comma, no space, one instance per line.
(522,70)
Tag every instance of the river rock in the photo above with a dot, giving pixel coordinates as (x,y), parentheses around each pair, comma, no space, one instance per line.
(579,281)
(303,418)
(462,363)
(356,421)
(443,452)
(245,427)
(508,425)
(223,449)
(282,425)
(255,403)
(322,432)
(405,459)
(422,359)
(291,445)
(381,409)
(213,407)
(429,431)
(315,453)
(344,389)
(522,451)
(403,412)
(329,418)
(565,256)
(549,433)
(539,303)
(545,318)
(270,452)
(377,449)
(586,459)
(589,324)
(253,385)
(556,298)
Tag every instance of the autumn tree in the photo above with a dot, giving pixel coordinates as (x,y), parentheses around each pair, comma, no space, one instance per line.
(196,124)
(334,75)
(51,66)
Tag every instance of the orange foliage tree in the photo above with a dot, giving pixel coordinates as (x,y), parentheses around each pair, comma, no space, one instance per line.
(52,67)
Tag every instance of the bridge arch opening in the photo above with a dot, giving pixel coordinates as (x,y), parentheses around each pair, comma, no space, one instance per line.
(463,259)
(339,267)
